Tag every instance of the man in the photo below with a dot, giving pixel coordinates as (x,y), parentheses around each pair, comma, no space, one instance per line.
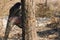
(14,18)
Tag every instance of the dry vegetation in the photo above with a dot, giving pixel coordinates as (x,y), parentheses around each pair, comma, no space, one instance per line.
(51,10)
(48,9)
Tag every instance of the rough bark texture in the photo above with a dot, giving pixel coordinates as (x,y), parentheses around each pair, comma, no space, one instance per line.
(30,30)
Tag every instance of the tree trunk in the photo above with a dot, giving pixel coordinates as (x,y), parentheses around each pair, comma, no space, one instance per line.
(29,29)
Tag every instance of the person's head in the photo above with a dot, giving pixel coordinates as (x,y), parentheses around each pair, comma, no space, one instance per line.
(14,9)
(17,5)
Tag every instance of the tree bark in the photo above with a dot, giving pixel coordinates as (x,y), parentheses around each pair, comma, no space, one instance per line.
(29,29)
